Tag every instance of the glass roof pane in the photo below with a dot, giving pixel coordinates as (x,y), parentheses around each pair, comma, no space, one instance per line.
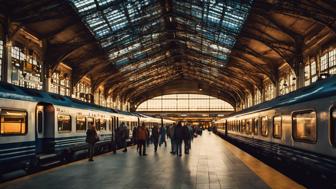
(133,30)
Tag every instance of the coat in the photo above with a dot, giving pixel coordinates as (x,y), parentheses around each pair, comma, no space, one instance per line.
(91,136)
(155,133)
(171,132)
(142,133)
(186,133)
(178,134)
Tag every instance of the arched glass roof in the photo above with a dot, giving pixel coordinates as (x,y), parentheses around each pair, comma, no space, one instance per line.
(184,102)
(132,30)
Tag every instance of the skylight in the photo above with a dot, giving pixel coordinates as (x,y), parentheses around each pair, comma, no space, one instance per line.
(132,30)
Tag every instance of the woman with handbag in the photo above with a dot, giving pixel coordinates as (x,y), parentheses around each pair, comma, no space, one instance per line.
(91,139)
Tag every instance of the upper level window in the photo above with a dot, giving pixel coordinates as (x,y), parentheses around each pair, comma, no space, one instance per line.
(99,98)
(313,70)
(257,96)
(304,126)
(64,123)
(249,101)
(185,102)
(324,62)
(61,80)
(269,90)
(307,74)
(13,122)
(332,61)
(26,67)
(82,90)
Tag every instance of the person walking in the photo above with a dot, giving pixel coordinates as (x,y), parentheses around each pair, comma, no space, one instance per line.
(124,136)
(91,139)
(178,134)
(163,133)
(134,137)
(155,137)
(114,141)
(170,133)
(186,139)
(142,136)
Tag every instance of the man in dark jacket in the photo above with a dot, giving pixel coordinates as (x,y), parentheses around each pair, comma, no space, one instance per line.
(124,136)
(91,139)
(114,141)
(178,138)
(134,137)
(186,139)
(170,134)
(155,137)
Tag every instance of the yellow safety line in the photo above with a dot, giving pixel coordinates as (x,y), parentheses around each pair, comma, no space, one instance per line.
(270,176)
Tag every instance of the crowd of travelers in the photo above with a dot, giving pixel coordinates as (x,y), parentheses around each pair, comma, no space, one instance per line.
(142,136)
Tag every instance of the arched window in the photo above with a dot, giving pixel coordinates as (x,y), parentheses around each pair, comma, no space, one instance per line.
(185,102)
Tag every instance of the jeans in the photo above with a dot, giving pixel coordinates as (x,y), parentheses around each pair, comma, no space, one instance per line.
(91,150)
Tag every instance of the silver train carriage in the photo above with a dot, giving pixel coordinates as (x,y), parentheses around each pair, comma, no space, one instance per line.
(300,126)
(36,126)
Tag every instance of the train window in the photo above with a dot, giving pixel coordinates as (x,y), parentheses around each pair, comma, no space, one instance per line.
(243,126)
(80,123)
(64,123)
(248,126)
(304,126)
(333,126)
(256,126)
(89,121)
(97,124)
(103,125)
(264,126)
(277,126)
(13,122)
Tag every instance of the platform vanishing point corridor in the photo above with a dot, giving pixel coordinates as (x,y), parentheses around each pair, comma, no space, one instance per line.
(212,164)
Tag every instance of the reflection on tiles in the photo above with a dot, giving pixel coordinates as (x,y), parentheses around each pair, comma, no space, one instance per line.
(208,166)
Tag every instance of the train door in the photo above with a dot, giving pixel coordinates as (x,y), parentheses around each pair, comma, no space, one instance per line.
(44,128)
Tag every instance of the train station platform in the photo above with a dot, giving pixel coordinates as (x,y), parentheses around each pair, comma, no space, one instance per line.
(212,164)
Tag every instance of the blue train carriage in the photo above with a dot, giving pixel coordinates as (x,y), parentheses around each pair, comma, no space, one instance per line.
(17,134)
(70,131)
(301,124)
(37,127)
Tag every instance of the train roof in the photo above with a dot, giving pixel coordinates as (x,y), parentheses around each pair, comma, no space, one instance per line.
(10,91)
(320,89)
